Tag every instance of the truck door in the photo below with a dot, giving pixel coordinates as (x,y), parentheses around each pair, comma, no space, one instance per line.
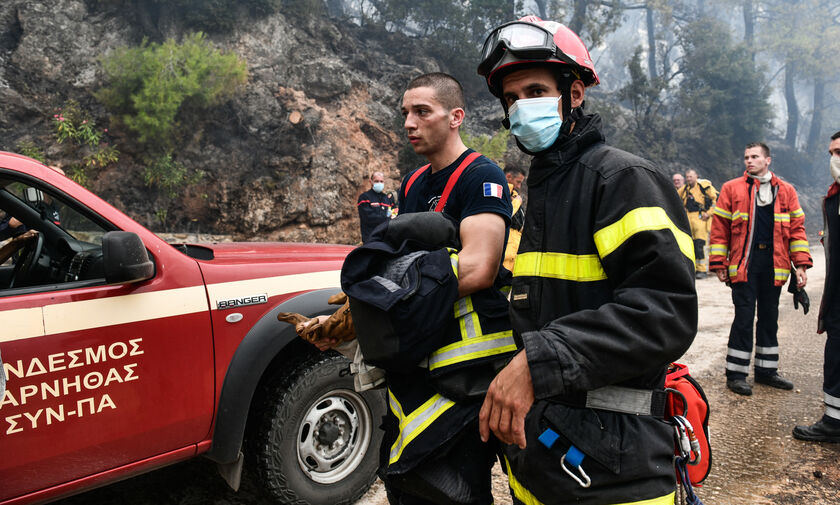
(98,376)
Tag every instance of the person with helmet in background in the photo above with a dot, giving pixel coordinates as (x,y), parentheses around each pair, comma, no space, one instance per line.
(514,176)
(603,294)
(698,196)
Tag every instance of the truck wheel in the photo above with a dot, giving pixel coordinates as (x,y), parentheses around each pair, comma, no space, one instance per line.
(318,440)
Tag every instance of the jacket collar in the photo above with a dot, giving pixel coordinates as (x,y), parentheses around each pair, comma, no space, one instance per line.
(567,148)
(833,190)
(774,179)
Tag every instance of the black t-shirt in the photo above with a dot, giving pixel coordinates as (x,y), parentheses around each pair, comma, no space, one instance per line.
(482,187)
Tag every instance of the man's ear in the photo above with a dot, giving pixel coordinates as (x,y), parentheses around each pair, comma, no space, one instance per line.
(577,90)
(769,161)
(456,117)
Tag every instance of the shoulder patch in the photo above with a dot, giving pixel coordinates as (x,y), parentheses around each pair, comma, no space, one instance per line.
(493,189)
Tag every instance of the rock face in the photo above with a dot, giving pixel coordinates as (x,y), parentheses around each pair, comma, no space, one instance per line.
(283,160)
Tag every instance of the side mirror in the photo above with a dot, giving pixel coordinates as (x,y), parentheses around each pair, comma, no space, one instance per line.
(125,258)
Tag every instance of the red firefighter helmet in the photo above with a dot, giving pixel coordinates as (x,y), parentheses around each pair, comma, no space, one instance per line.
(529,41)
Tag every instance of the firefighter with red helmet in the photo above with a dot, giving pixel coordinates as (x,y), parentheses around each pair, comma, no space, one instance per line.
(603,296)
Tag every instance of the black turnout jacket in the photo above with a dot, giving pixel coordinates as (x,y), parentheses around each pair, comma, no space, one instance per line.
(603,294)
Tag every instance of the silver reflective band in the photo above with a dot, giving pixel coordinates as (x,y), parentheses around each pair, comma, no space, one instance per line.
(620,399)
(737,368)
(483,346)
(767,350)
(416,422)
(831,400)
(832,412)
(735,353)
(767,363)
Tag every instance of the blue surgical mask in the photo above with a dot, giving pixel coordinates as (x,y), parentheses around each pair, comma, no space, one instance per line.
(379,187)
(535,122)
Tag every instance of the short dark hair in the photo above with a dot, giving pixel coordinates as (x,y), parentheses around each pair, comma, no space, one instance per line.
(515,170)
(762,145)
(835,136)
(448,90)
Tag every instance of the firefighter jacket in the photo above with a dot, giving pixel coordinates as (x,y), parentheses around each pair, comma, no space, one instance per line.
(697,200)
(434,398)
(829,315)
(732,229)
(603,295)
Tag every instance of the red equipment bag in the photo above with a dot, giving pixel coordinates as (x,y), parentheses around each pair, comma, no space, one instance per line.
(687,400)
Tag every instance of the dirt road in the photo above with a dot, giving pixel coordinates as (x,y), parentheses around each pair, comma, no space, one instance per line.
(756,460)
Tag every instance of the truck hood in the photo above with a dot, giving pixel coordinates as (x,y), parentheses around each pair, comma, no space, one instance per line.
(263,252)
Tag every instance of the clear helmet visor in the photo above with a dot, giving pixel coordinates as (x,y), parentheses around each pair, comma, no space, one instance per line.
(525,40)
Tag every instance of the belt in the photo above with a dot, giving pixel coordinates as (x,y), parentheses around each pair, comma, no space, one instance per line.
(640,402)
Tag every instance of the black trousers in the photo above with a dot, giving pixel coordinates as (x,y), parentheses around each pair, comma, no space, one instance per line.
(458,474)
(759,290)
(831,375)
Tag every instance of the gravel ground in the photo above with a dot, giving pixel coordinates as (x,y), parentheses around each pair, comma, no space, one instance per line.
(756,460)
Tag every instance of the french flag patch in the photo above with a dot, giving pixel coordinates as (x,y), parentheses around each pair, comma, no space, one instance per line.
(493,189)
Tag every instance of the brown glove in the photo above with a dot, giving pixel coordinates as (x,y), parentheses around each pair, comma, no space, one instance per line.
(337,327)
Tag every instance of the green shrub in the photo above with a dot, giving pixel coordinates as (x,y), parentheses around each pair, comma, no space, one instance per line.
(30,149)
(493,147)
(170,175)
(153,86)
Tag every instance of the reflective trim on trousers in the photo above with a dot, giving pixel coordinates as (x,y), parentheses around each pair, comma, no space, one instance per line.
(412,426)
(831,400)
(766,350)
(473,348)
(767,363)
(832,412)
(737,368)
(527,498)
(735,353)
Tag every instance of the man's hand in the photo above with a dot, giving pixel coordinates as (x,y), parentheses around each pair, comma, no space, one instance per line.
(508,400)
(801,277)
(721,275)
(704,216)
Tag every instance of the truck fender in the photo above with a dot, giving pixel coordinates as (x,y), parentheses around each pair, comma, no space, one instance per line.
(261,344)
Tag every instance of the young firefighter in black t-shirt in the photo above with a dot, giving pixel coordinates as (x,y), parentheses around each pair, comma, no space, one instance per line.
(479,201)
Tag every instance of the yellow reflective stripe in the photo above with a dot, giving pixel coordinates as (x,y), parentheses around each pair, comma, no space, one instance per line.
(470,325)
(414,424)
(781,217)
(571,267)
(519,491)
(797,213)
(473,348)
(526,497)
(718,249)
(463,306)
(722,213)
(396,408)
(798,245)
(453,259)
(733,270)
(781,273)
(668,499)
(609,238)
(745,216)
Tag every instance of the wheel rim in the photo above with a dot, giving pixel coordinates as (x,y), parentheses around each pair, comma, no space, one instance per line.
(334,436)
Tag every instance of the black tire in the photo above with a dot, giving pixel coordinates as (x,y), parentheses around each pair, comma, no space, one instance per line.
(317,440)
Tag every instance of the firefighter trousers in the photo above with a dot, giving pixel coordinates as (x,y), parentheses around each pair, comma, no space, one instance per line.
(457,474)
(759,290)
(831,376)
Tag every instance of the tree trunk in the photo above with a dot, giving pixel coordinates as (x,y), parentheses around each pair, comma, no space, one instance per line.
(792,107)
(814,132)
(542,7)
(651,36)
(749,27)
(578,16)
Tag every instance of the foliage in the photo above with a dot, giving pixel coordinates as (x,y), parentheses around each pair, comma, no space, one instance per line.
(721,96)
(493,147)
(76,126)
(169,174)
(154,85)
(30,149)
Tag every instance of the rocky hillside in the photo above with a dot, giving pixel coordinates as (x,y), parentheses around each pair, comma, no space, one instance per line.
(283,160)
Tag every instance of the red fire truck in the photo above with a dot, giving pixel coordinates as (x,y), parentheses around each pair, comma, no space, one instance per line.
(124,353)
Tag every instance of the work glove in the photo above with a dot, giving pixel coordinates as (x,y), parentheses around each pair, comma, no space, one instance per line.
(339,326)
(799,295)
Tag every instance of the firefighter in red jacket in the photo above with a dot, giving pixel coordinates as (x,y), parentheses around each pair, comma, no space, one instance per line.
(758,230)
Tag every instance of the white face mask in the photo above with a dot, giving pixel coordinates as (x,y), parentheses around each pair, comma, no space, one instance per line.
(834,167)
